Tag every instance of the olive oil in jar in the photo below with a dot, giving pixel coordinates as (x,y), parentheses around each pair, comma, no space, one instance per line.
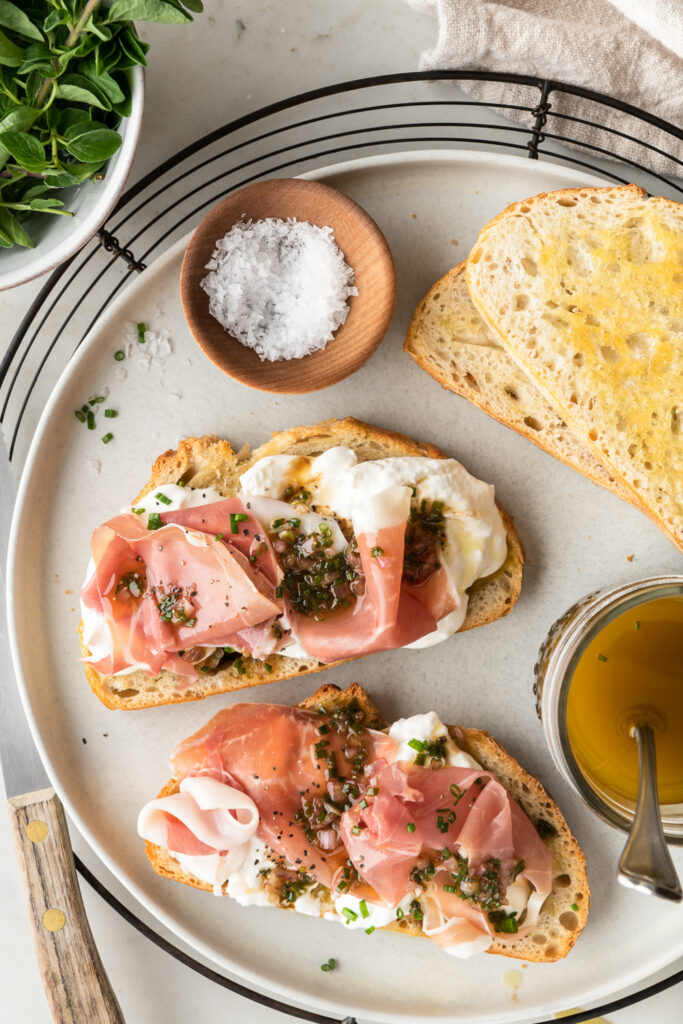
(631,671)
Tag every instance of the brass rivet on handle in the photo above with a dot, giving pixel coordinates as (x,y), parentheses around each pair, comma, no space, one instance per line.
(36,831)
(54,919)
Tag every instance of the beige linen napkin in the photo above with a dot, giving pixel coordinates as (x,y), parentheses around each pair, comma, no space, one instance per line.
(629,49)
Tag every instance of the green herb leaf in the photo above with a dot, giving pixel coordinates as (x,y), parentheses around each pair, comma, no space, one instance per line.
(25,149)
(11,231)
(62,179)
(147,10)
(95,144)
(79,89)
(13,17)
(10,54)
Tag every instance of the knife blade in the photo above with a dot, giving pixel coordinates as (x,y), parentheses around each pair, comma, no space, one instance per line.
(75,982)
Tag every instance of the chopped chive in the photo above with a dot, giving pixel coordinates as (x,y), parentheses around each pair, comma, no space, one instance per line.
(119,355)
(80,415)
(84,408)
(410,827)
(370,930)
(363,907)
(110,414)
(329,966)
(356,830)
(205,668)
(162,498)
(138,511)
(267,666)
(229,650)
(278,591)
(91,421)
(601,657)
(417,744)
(106,438)
(575,907)
(219,536)
(446,853)
(154,521)
(181,483)
(449,888)
(235,518)
(141,333)
(96,400)
(399,914)
(349,914)
(637,621)
(377,552)
(239,667)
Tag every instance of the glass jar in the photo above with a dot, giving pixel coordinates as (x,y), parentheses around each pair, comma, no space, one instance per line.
(557,660)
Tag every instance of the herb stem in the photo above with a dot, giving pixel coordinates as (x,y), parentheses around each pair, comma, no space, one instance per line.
(75,32)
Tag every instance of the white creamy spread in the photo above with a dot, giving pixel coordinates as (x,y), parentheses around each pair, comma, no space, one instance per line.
(428,728)
(372,495)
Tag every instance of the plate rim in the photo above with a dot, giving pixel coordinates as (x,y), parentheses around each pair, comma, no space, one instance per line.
(150,904)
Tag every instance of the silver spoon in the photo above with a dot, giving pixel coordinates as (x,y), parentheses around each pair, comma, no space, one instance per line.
(646,862)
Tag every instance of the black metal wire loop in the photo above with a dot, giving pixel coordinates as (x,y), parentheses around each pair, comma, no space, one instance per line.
(206,170)
(111,244)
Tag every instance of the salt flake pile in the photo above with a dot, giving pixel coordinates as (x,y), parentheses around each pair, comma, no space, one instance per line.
(279,286)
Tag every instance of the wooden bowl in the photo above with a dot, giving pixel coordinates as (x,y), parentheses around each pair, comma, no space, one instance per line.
(365,250)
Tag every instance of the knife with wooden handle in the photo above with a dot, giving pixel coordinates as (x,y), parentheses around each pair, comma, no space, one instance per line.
(75,981)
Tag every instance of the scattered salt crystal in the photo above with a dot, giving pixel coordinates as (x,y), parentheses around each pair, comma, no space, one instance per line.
(95,465)
(279,286)
(152,352)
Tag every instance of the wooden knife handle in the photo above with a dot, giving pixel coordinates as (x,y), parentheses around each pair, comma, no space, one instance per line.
(75,981)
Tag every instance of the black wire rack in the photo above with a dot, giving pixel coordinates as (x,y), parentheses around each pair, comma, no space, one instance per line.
(386,114)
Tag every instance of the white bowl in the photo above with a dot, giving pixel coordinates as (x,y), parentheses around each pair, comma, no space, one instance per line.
(58,238)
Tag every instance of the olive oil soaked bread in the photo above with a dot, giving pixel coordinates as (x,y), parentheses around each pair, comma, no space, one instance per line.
(210,462)
(448,338)
(564,913)
(584,288)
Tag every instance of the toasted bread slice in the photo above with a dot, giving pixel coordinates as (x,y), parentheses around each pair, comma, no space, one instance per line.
(584,288)
(210,462)
(448,338)
(559,924)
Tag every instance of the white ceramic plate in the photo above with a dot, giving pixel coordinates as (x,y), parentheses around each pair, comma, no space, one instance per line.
(106,764)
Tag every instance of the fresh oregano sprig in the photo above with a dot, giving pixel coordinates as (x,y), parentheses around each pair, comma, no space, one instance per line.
(64,88)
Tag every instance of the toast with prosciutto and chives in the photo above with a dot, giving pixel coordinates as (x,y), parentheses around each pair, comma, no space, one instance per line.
(327,543)
(420,828)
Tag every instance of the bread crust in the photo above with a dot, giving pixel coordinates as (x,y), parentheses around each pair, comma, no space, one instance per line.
(559,924)
(210,461)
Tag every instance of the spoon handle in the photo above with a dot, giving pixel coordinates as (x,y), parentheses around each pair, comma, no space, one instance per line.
(645,862)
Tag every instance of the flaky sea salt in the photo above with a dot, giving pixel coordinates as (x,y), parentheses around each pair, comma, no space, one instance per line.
(279,286)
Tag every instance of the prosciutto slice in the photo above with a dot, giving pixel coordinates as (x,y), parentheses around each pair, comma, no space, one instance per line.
(421,811)
(384,617)
(190,589)
(269,751)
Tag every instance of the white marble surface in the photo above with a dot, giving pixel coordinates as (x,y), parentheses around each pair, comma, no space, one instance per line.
(201,76)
